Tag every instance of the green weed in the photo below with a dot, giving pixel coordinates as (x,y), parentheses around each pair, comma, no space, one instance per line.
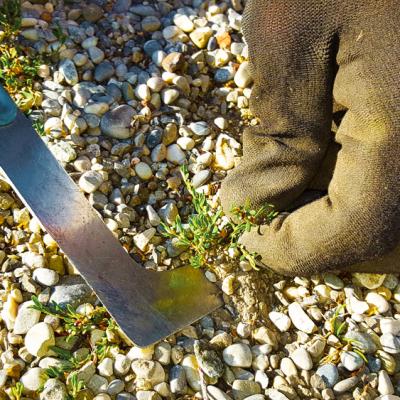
(16,391)
(208,232)
(10,18)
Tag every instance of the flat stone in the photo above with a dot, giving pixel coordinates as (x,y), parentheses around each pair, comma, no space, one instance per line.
(385,385)
(329,373)
(72,290)
(333,281)
(370,281)
(280,320)
(243,388)
(104,71)
(390,343)
(191,367)
(300,319)
(201,178)
(346,385)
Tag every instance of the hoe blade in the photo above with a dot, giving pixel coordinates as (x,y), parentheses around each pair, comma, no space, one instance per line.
(147,305)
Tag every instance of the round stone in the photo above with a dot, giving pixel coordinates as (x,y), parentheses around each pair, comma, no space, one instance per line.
(143,171)
(69,72)
(33,379)
(370,281)
(45,276)
(390,325)
(117,122)
(39,339)
(175,154)
(27,317)
(238,355)
(152,371)
(201,178)
(302,359)
(242,77)
(92,12)
(378,301)
(104,71)
(333,281)
(362,341)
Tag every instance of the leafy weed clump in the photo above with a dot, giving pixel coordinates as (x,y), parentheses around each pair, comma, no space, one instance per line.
(209,233)
(18,68)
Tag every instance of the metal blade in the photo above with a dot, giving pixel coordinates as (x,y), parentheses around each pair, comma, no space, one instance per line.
(147,305)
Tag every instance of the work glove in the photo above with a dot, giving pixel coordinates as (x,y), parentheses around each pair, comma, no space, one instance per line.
(304,53)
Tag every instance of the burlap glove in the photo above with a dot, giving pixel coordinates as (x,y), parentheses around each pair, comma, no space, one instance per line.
(303,53)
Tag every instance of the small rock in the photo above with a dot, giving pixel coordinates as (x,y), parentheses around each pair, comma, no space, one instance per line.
(362,341)
(142,239)
(385,385)
(69,72)
(90,181)
(53,389)
(143,171)
(117,122)
(200,36)
(201,178)
(351,360)
(92,12)
(243,388)
(39,339)
(329,373)
(238,355)
(183,22)
(175,154)
(378,301)
(333,281)
(345,385)
(302,359)
(27,317)
(370,281)
(72,290)
(105,367)
(173,61)
(199,128)
(104,71)
(45,276)
(242,77)
(177,380)
(300,319)
(33,379)
(280,320)
(390,325)
(191,367)
(390,343)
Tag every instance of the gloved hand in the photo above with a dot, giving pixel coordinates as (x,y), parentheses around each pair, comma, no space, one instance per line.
(303,53)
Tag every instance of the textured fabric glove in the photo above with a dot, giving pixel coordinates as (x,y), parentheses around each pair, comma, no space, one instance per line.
(303,53)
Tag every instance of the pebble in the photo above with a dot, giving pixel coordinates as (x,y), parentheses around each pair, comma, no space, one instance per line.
(63,152)
(39,339)
(280,320)
(117,122)
(142,239)
(177,380)
(143,171)
(300,319)
(200,36)
(105,367)
(175,154)
(302,359)
(390,343)
(238,355)
(370,281)
(385,385)
(329,373)
(363,341)
(45,276)
(92,12)
(351,360)
(90,181)
(190,365)
(151,371)
(33,379)
(53,389)
(378,301)
(122,364)
(183,22)
(242,77)
(69,72)
(201,178)
(200,128)
(104,71)
(27,317)
(333,281)
(243,388)
(169,96)
(390,325)
(288,367)
(345,385)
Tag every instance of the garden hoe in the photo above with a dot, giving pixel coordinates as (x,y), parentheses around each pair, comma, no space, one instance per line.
(147,305)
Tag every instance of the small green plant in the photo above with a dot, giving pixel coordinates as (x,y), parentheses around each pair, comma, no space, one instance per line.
(16,391)
(10,17)
(339,328)
(70,363)
(208,232)
(75,323)
(60,34)
(75,386)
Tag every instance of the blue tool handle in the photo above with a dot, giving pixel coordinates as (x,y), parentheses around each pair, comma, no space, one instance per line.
(8,109)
